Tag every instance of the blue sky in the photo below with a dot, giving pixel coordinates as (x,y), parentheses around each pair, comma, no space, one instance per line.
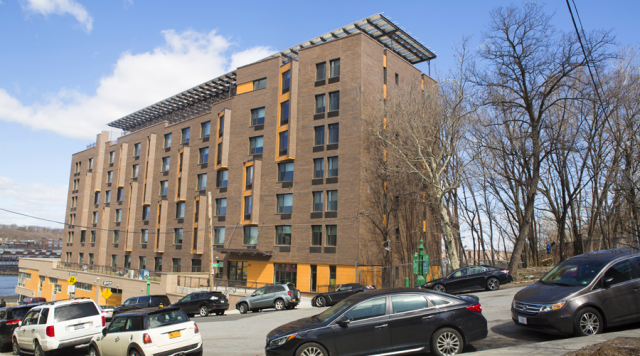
(71,66)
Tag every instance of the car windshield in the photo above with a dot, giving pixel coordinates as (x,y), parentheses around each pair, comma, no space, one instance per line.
(573,273)
(334,310)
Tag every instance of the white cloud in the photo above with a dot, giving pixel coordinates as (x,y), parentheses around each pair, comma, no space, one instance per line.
(138,80)
(32,199)
(60,7)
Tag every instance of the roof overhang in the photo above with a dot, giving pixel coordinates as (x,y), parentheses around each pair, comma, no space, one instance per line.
(247,252)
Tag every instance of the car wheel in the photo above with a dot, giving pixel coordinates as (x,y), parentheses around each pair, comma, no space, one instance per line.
(588,322)
(39,351)
(204,311)
(311,349)
(279,304)
(16,347)
(321,302)
(243,308)
(440,288)
(493,284)
(93,351)
(446,342)
(220,313)
(134,352)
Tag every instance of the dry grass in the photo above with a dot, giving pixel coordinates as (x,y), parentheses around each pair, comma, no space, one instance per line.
(620,346)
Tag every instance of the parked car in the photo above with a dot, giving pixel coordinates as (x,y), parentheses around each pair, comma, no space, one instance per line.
(57,325)
(153,331)
(203,303)
(470,278)
(33,300)
(141,302)
(278,296)
(107,311)
(10,317)
(583,295)
(344,291)
(385,321)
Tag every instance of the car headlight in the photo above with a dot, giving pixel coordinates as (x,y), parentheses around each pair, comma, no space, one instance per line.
(282,340)
(551,307)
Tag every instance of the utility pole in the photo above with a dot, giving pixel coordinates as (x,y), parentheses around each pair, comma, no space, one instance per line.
(210,242)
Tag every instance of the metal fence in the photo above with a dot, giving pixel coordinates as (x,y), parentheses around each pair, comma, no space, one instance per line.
(397,275)
(109,270)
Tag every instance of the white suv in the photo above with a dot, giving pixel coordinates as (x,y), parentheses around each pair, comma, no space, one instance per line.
(152,331)
(57,325)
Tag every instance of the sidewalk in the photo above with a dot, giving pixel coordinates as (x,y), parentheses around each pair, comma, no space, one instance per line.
(557,347)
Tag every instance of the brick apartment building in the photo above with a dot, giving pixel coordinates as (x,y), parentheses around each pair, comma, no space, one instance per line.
(266,160)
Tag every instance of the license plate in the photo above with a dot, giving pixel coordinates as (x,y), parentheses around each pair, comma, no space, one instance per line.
(522,320)
(174,334)
(78,327)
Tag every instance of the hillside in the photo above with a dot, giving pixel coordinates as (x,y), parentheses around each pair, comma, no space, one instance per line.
(15,232)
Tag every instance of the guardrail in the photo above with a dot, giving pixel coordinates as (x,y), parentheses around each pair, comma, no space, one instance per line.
(109,270)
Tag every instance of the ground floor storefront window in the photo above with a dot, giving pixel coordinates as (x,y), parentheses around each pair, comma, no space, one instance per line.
(238,270)
(285,273)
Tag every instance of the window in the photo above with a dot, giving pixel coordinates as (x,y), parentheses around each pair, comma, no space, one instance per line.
(283,235)
(90,163)
(180,160)
(116,236)
(120,194)
(176,264)
(82,236)
(196,265)
(332,235)
(284,113)
(284,142)
(285,203)
(95,217)
(81,258)
(204,155)
(205,129)
(332,200)
(107,196)
(146,212)
(257,116)
(70,237)
(185,134)
(250,235)
(397,78)
(333,167)
(134,174)
(260,84)
(318,168)
(136,149)
(202,181)
(112,156)
(223,177)
(218,238)
(219,154)
(91,258)
(285,172)
(167,140)
(247,208)
(321,71)
(118,215)
(255,145)
(320,104)
(248,177)
(157,264)
(109,177)
(127,261)
(144,236)
(221,130)
(334,133)
(286,81)
(93,237)
(384,75)
(180,210)
(221,206)
(620,272)
(96,198)
(318,204)
(166,161)
(164,187)
(178,236)
(81,286)
(283,273)
(334,101)
(316,235)
(369,309)
(114,260)
(335,68)
(319,135)
(405,303)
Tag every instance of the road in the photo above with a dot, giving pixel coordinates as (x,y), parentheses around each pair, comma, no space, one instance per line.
(245,335)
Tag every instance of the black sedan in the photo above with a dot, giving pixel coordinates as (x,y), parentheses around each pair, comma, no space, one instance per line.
(344,291)
(469,278)
(385,321)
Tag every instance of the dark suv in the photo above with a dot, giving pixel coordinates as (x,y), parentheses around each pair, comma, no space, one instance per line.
(143,301)
(9,319)
(203,303)
(583,295)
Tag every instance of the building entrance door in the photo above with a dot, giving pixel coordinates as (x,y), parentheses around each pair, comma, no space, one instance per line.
(314,281)
(238,271)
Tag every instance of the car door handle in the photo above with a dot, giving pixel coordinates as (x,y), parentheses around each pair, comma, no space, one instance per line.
(117,338)
(382,326)
(427,317)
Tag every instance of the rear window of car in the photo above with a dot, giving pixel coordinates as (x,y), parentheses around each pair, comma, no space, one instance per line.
(19,313)
(169,317)
(74,311)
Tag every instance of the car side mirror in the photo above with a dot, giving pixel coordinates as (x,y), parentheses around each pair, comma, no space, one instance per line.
(344,322)
(253,294)
(608,281)
(104,331)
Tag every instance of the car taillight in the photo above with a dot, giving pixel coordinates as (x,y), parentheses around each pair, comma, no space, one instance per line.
(289,292)
(50,331)
(475,308)
(146,338)
(13,322)
(196,328)
(103,321)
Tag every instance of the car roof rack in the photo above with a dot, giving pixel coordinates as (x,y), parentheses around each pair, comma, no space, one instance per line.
(63,300)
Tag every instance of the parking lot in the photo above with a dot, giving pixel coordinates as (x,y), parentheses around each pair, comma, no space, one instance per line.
(235,334)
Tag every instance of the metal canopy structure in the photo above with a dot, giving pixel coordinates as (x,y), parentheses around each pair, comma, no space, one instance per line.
(199,100)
